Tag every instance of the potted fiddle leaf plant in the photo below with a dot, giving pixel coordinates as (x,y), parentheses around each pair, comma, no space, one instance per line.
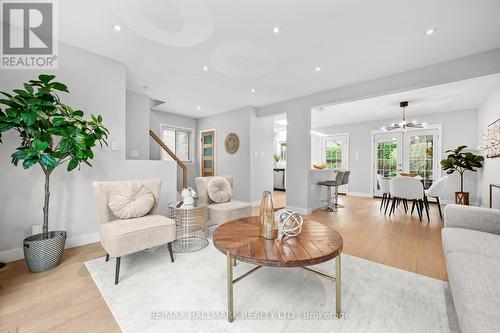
(460,161)
(52,134)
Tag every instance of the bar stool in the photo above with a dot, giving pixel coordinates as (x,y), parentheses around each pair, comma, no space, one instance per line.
(332,202)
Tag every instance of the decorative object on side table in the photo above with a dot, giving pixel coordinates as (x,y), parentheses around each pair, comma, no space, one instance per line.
(267,226)
(191,224)
(232,143)
(290,224)
(461,161)
(188,195)
(52,134)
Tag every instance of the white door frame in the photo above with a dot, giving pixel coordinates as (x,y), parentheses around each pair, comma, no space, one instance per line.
(439,146)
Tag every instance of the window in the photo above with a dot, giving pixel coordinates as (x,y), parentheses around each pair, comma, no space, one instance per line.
(335,151)
(179,141)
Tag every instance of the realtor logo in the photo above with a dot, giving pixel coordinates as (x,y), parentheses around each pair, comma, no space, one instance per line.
(28,35)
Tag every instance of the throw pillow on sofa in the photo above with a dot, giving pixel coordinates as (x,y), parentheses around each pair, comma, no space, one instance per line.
(219,190)
(131,201)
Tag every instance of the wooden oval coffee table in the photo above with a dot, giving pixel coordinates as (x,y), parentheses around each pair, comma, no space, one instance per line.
(317,243)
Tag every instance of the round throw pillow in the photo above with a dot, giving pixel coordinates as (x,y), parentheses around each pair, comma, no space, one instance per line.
(131,201)
(219,190)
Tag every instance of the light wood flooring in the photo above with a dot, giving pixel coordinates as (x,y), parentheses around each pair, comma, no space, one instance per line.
(65,298)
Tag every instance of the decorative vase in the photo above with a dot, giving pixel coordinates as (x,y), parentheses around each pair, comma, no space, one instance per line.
(43,252)
(268,228)
(462,198)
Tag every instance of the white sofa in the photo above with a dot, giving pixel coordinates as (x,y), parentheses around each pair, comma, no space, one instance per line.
(219,213)
(471,244)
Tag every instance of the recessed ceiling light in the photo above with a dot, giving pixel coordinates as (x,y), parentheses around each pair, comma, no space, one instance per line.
(430,31)
(276,30)
(198,108)
(252,90)
(117,27)
(205,68)
(317,69)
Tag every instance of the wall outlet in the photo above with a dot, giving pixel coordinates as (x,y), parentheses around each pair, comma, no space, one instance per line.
(36,229)
(261,154)
(134,153)
(115,145)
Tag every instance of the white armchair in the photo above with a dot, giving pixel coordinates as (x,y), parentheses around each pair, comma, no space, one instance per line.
(123,237)
(219,213)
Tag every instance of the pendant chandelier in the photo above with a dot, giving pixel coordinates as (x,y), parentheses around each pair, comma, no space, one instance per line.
(404,124)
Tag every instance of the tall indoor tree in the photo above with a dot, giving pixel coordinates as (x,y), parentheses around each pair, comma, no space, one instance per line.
(52,134)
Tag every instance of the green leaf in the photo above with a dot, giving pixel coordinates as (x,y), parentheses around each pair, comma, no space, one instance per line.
(40,145)
(11,112)
(80,141)
(28,88)
(99,118)
(72,164)
(59,86)
(78,113)
(49,161)
(58,121)
(4,127)
(29,163)
(65,146)
(29,118)
(19,155)
(46,78)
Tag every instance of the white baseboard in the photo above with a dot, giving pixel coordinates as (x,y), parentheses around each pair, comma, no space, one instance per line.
(360,194)
(302,211)
(18,253)
(451,202)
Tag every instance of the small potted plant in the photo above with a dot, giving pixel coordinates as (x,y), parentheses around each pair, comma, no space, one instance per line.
(52,134)
(461,162)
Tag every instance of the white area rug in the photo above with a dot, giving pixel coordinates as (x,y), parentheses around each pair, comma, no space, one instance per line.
(155,295)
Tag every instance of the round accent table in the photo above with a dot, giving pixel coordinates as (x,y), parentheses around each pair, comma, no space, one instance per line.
(192,225)
(316,243)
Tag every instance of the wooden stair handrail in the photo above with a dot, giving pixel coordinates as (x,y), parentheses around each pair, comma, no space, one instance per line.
(168,151)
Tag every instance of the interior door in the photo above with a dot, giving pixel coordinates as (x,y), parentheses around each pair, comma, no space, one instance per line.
(208,153)
(388,157)
(335,153)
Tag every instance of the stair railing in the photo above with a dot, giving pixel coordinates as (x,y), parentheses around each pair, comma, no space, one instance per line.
(169,152)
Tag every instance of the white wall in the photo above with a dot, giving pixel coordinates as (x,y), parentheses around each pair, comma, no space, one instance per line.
(299,115)
(489,112)
(458,128)
(97,85)
(158,118)
(137,126)
(238,164)
(261,156)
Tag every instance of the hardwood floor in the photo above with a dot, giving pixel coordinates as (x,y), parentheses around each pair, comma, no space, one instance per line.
(65,298)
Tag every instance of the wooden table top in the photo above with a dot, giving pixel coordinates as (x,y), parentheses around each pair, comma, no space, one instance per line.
(316,243)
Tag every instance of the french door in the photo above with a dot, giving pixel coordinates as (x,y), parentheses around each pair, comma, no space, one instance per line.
(416,152)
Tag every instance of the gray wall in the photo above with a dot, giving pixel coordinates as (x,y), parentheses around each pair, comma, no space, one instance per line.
(299,115)
(97,85)
(458,128)
(158,118)
(489,112)
(237,165)
(137,126)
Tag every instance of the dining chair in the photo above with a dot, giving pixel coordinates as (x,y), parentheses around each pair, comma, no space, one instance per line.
(404,188)
(383,184)
(437,190)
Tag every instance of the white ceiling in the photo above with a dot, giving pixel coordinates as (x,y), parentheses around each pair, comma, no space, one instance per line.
(455,96)
(165,44)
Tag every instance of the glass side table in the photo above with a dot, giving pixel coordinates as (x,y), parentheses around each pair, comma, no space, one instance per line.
(192,226)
